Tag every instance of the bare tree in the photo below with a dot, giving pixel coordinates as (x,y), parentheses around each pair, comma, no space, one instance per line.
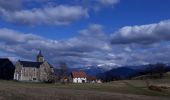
(63,72)
(160,69)
(157,70)
(63,69)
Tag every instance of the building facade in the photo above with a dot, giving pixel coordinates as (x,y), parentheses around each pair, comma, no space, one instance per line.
(39,71)
(78,77)
(6,69)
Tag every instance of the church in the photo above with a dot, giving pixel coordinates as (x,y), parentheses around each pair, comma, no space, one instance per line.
(39,71)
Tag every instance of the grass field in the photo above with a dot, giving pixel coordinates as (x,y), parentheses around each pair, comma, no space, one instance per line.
(117,90)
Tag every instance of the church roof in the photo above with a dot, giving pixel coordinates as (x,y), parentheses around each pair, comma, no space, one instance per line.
(31,64)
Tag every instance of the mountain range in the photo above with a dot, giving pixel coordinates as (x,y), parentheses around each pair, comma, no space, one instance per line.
(124,72)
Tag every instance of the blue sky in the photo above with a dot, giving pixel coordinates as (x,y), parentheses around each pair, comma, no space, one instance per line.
(104,33)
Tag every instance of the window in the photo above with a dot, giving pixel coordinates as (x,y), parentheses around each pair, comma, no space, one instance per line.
(83,81)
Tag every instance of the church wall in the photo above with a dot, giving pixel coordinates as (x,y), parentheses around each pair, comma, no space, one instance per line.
(45,71)
(17,73)
(29,74)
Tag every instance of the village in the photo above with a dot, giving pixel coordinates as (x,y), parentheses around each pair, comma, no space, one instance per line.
(84,49)
(41,71)
(37,80)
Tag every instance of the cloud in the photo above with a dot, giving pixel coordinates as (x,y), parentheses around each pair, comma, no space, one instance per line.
(142,44)
(12,36)
(136,54)
(97,5)
(58,15)
(109,2)
(144,34)
(49,12)
(10,4)
(90,47)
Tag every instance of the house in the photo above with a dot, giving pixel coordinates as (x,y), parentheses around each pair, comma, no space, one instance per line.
(93,79)
(39,71)
(6,69)
(99,81)
(78,77)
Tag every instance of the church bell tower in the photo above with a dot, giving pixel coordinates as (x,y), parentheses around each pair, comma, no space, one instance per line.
(40,57)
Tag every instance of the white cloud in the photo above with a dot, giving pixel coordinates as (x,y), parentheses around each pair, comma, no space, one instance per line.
(87,48)
(58,15)
(16,37)
(150,33)
(91,47)
(49,12)
(109,2)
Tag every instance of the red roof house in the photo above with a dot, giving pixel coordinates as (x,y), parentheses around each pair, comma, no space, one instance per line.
(79,77)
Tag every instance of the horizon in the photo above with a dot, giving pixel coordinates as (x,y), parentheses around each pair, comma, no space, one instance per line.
(86,33)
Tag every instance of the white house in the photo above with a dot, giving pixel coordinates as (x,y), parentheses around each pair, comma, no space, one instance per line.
(93,79)
(78,77)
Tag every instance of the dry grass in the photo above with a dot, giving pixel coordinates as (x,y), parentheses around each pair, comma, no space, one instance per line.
(120,90)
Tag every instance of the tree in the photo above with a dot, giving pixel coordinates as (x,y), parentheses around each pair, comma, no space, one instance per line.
(160,69)
(63,73)
(151,69)
(49,75)
(63,69)
(157,70)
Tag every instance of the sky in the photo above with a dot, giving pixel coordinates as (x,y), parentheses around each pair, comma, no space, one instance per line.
(83,33)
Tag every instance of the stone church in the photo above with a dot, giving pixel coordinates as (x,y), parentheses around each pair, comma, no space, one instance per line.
(39,71)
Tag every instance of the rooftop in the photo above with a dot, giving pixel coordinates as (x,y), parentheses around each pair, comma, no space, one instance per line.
(30,64)
(78,74)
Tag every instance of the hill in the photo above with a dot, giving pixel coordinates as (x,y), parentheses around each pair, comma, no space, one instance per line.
(128,72)
(118,73)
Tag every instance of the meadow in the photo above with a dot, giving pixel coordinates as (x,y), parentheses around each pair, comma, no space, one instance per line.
(116,90)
